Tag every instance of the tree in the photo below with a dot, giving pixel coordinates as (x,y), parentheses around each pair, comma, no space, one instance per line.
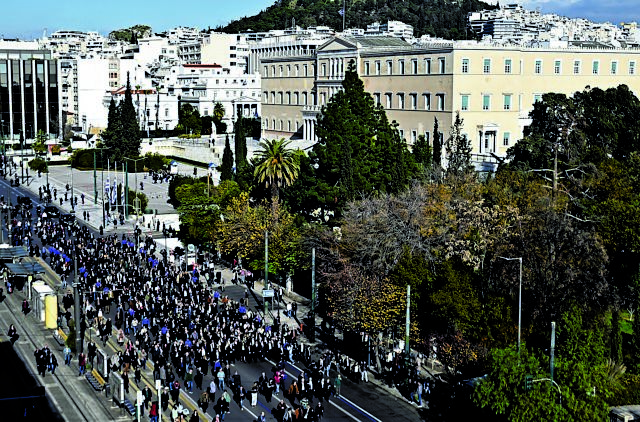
(278,166)
(359,152)
(226,170)
(423,153)
(40,144)
(437,146)
(458,148)
(122,136)
(240,141)
(189,121)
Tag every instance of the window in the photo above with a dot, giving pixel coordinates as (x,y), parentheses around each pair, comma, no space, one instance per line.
(366,68)
(389,67)
(281,71)
(414,101)
(614,68)
(427,136)
(537,68)
(273,124)
(166,112)
(414,66)
(414,136)
(427,66)
(441,65)
(304,98)
(507,102)
(288,70)
(537,98)
(401,133)
(306,70)
(464,102)
(486,102)
(280,97)
(273,97)
(576,67)
(288,97)
(288,125)
(465,65)
(388,100)
(557,67)
(486,65)
(324,69)
(505,139)
(401,101)
(401,66)
(440,99)
(265,96)
(296,98)
(427,101)
(595,68)
(376,97)
(507,66)
(297,70)
(377,68)
(632,68)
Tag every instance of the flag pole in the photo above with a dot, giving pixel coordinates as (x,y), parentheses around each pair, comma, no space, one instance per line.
(344,13)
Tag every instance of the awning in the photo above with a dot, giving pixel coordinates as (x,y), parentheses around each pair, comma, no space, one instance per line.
(13,252)
(25,268)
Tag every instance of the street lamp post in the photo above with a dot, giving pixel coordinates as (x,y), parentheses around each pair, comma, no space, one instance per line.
(76,301)
(135,169)
(519,298)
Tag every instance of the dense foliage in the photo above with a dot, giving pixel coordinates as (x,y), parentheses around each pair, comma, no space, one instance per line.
(122,136)
(441,18)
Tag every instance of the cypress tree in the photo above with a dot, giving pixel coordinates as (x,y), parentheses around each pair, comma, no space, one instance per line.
(130,137)
(437,145)
(458,149)
(226,169)
(240,143)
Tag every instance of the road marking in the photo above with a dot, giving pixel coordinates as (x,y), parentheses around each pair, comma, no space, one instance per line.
(332,402)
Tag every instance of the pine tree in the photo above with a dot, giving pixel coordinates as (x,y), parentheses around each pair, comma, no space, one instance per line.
(226,169)
(422,152)
(359,151)
(130,136)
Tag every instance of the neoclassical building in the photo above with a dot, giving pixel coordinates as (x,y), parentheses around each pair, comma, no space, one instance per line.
(492,87)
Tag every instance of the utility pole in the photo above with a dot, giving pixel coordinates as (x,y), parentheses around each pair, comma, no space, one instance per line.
(76,301)
(407,322)
(312,317)
(553,349)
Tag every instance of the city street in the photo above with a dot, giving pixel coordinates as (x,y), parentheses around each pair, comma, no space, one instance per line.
(360,402)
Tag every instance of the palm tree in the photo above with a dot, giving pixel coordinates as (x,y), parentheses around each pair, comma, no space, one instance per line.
(278,166)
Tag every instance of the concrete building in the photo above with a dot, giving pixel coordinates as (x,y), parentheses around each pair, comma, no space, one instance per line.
(228,50)
(29,91)
(492,87)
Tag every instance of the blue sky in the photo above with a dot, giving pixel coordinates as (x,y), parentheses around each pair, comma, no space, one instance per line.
(105,15)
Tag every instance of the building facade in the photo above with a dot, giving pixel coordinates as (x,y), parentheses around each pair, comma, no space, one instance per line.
(492,87)
(29,91)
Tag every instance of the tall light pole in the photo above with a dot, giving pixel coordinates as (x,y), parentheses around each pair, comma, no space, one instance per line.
(135,169)
(312,319)
(76,301)
(519,298)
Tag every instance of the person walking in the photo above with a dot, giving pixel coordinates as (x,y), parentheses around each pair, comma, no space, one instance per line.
(67,355)
(337,384)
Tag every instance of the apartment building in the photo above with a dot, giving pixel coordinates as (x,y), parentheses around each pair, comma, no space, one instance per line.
(228,50)
(29,91)
(492,87)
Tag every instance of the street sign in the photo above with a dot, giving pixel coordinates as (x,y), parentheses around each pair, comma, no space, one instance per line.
(267,293)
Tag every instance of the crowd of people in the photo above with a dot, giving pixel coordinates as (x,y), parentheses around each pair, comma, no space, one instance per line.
(174,319)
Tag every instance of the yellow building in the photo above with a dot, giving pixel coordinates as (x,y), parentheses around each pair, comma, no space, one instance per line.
(493,87)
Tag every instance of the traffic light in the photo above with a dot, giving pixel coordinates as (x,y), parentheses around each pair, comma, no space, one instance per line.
(528,383)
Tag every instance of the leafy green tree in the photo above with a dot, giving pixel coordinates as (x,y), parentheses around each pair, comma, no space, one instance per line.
(189,121)
(227,161)
(278,166)
(40,143)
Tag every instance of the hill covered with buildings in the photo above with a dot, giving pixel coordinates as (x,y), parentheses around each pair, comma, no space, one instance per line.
(439,18)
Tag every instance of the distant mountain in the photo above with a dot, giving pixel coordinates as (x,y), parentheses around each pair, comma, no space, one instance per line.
(440,18)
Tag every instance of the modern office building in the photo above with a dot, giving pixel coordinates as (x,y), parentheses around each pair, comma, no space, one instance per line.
(29,91)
